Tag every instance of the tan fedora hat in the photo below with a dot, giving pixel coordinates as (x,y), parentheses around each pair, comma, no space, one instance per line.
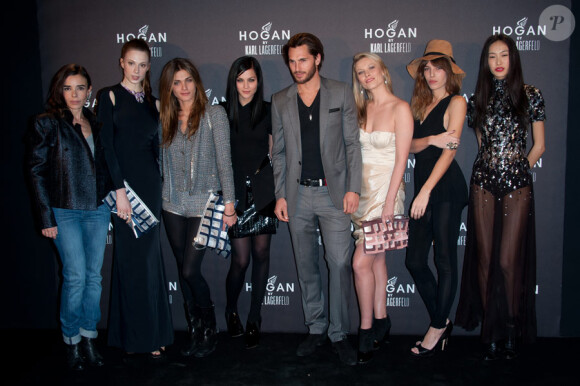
(435,49)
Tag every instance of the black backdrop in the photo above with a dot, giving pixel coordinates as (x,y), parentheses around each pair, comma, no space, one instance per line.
(29,280)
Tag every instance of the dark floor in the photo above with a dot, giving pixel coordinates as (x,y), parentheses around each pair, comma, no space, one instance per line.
(36,358)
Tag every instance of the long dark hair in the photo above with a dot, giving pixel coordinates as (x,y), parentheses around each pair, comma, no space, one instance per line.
(55,102)
(239,66)
(514,83)
(141,45)
(422,94)
(170,104)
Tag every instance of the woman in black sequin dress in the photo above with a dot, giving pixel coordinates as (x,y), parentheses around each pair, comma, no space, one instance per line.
(251,139)
(499,271)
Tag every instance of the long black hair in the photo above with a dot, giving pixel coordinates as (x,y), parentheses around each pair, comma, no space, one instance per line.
(514,83)
(239,66)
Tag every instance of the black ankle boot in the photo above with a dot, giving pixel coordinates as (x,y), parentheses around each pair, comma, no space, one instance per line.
(193,324)
(234,323)
(381,331)
(493,352)
(90,352)
(252,334)
(206,336)
(510,343)
(365,345)
(74,359)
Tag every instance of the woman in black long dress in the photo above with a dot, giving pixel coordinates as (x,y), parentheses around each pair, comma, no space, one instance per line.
(140,319)
(440,188)
(499,270)
(251,141)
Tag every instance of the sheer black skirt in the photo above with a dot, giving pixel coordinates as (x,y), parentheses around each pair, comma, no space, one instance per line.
(499,269)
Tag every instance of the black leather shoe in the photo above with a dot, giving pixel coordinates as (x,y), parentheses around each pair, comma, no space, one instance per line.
(74,359)
(308,345)
(493,352)
(252,334)
(90,352)
(235,328)
(509,349)
(345,352)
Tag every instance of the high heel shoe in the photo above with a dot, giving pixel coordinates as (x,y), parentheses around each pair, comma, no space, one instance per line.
(443,341)
(381,331)
(510,343)
(234,324)
(252,334)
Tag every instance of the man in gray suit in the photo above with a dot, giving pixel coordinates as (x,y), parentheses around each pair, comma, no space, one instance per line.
(317,170)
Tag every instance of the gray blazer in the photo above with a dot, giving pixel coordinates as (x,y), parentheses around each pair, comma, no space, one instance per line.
(339,142)
(211,164)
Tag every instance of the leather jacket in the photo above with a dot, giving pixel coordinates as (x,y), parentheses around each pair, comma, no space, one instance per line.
(63,171)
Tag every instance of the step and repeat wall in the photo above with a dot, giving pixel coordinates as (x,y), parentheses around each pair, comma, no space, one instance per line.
(214,33)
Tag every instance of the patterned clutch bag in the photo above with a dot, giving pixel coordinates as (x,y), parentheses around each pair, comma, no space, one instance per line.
(210,233)
(142,219)
(380,237)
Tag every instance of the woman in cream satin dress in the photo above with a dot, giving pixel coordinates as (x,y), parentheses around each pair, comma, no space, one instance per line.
(386,132)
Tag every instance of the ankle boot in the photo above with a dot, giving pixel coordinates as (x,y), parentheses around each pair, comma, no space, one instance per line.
(193,323)
(74,359)
(234,323)
(206,336)
(252,334)
(90,352)
(492,352)
(365,345)
(381,331)
(510,343)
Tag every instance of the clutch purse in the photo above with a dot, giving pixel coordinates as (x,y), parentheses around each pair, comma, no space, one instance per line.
(142,219)
(210,233)
(380,237)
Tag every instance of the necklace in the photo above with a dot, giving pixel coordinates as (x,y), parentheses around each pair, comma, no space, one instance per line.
(311,107)
(139,95)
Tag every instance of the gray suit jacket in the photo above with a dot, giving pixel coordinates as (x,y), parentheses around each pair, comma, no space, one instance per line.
(339,142)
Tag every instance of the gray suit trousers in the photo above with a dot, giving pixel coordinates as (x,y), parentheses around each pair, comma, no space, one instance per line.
(315,208)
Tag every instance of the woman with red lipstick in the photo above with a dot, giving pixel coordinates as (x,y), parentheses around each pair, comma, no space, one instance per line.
(139,317)
(69,180)
(251,142)
(386,131)
(195,149)
(440,188)
(499,270)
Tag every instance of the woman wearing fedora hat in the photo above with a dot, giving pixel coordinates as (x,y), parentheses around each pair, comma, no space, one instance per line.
(440,188)
(499,271)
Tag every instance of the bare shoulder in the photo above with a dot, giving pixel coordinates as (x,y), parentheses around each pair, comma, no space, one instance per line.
(458,102)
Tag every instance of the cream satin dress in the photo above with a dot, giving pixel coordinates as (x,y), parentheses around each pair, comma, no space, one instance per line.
(378,157)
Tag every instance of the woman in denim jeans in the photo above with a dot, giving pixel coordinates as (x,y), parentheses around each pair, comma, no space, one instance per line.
(69,180)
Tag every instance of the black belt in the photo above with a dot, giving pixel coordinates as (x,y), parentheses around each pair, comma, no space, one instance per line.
(311,182)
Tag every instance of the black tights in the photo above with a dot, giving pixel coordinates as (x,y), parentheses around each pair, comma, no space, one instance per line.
(439,225)
(259,246)
(180,232)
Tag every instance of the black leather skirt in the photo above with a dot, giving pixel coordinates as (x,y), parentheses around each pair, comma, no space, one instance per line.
(253,222)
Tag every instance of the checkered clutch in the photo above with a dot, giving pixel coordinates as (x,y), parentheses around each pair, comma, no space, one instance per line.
(142,219)
(380,237)
(210,233)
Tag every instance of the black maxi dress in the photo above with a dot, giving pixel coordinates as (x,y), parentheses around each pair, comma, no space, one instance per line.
(139,315)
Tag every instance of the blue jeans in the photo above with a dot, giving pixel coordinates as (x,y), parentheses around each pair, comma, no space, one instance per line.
(81,241)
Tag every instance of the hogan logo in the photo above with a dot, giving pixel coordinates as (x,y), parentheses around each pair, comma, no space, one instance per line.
(397,38)
(266,41)
(148,36)
(526,36)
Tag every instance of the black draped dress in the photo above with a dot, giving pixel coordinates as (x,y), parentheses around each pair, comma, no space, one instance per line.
(139,315)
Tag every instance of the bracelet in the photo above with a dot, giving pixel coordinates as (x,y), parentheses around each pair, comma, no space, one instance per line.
(230,215)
